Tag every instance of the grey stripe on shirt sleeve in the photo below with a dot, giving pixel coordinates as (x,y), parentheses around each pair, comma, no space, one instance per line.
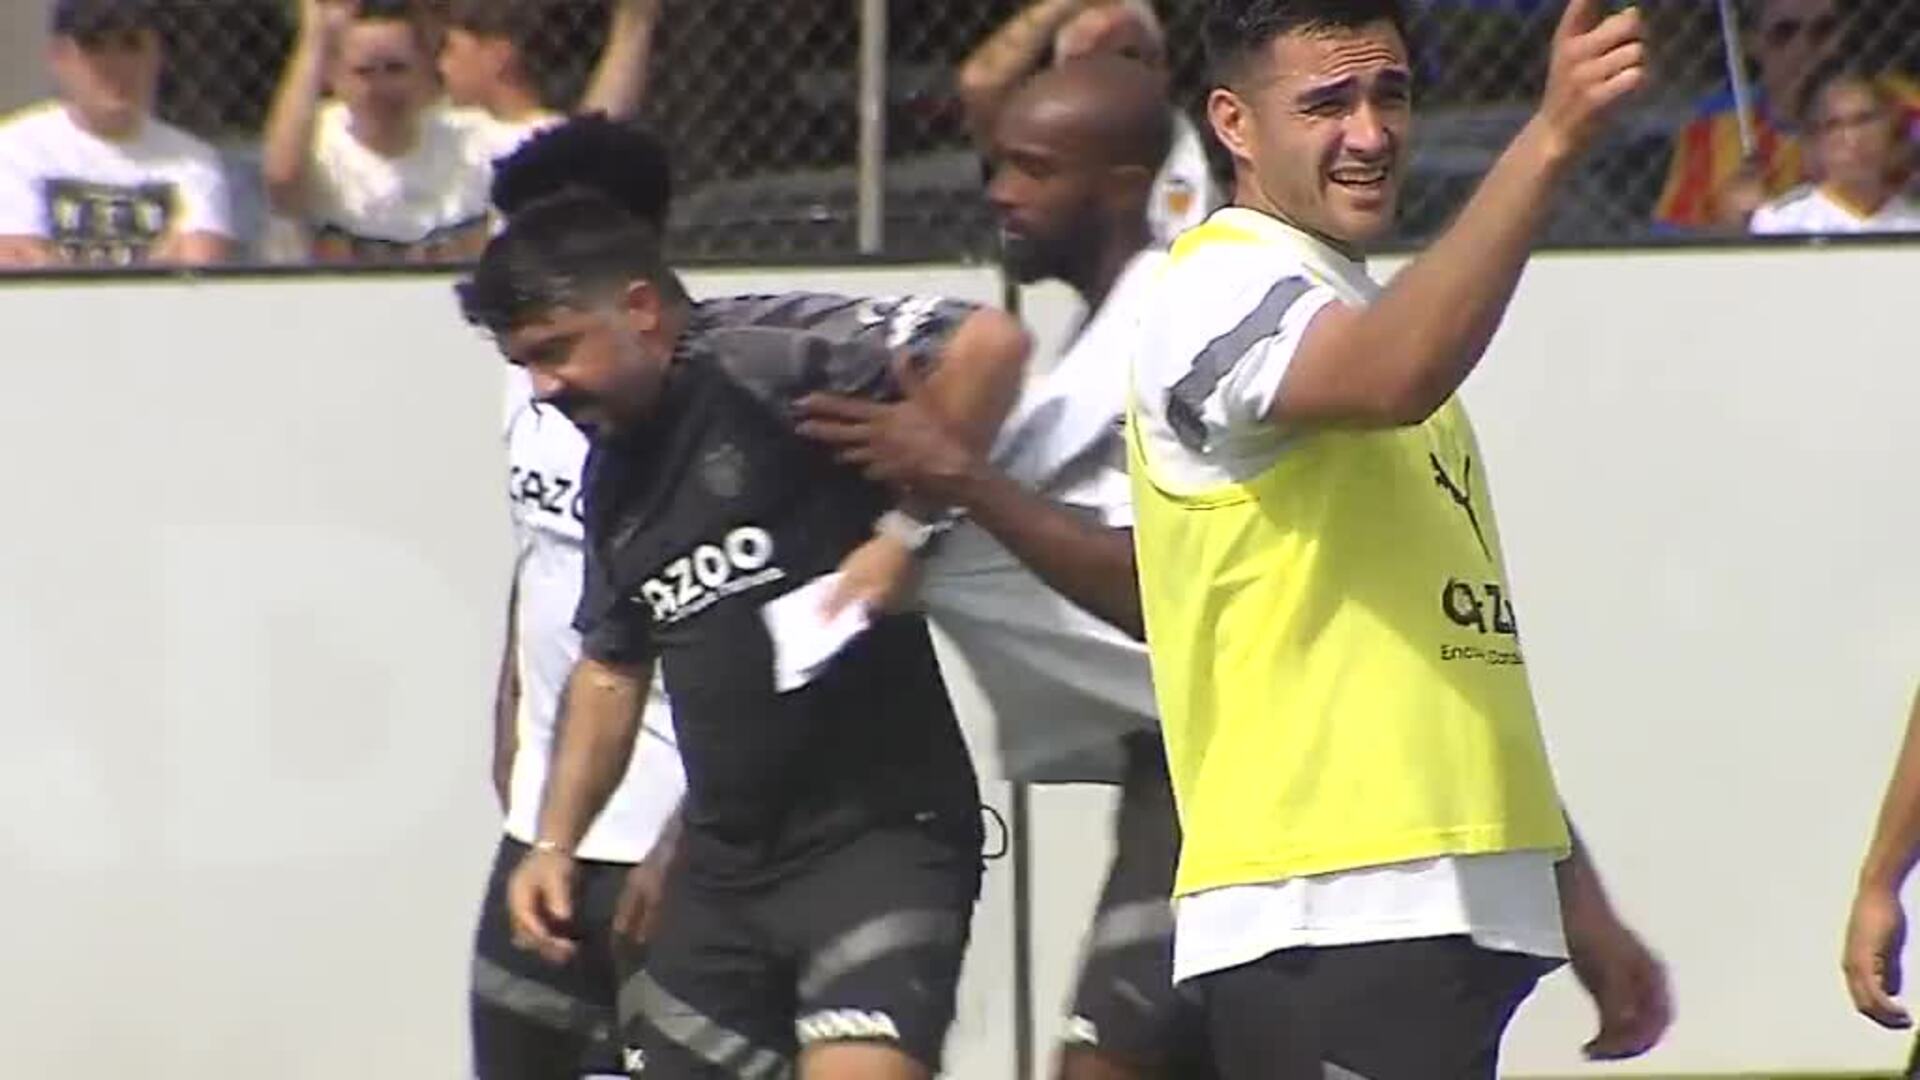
(1188,397)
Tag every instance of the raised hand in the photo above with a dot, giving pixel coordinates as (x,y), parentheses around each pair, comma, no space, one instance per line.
(1596,65)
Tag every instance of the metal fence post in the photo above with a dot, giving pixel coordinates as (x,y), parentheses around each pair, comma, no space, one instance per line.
(873,126)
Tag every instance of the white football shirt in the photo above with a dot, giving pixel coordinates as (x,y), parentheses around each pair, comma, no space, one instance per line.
(102,202)
(546,455)
(1064,685)
(1184,192)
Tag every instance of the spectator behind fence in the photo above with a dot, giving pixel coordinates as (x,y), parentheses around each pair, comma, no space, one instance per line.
(93,178)
(1708,183)
(383,173)
(1855,143)
(492,64)
(389,172)
(1184,192)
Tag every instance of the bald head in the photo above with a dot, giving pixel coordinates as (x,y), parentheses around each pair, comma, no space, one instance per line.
(1075,154)
(1105,110)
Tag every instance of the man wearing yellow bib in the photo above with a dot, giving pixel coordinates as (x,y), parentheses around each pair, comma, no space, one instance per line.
(1376,868)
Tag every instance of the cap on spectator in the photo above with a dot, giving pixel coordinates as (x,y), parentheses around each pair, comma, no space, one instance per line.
(81,18)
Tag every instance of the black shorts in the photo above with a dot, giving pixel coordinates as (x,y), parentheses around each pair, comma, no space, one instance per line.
(1425,1009)
(1125,1005)
(531,1020)
(862,944)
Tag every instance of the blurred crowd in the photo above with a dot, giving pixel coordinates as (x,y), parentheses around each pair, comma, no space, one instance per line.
(379,141)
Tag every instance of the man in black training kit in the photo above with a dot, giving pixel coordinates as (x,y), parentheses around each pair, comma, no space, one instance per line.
(830,853)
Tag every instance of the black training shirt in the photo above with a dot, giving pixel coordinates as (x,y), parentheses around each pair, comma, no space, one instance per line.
(699,516)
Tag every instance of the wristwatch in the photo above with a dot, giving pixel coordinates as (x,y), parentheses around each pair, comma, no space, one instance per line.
(912,533)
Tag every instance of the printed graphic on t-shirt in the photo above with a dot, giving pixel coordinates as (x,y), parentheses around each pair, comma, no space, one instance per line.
(107,224)
(332,243)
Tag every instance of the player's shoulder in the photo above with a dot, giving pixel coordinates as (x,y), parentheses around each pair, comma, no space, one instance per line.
(758,356)
(1212,268)
(892,321)
(785,309)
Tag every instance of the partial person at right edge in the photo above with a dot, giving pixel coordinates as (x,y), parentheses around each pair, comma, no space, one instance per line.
(1376,865)
(1877,925)
(1057,31)
(94,178)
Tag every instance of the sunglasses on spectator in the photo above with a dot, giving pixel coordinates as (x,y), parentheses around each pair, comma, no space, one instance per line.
(1784,31)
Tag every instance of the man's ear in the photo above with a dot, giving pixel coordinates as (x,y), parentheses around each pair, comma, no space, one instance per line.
(1232,121)
(642,306)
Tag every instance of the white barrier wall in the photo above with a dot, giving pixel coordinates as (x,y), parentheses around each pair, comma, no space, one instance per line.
(253,591)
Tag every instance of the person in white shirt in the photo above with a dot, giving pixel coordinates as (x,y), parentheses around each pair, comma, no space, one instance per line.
(1074,154)
(493,61)
(1858,153)
(531,1019)
(1184,191)
(93,178)
(389,171)
(382,173)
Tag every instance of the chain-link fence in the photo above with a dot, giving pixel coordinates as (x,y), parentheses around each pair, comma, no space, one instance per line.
(761,102)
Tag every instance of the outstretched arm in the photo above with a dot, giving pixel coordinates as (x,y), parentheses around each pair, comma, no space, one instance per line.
(1396,360)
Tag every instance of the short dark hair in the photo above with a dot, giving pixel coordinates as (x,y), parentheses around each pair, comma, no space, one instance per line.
(570,250)
(1840,71)
(400,11)
(618,160)
(518,21)
(1236,31)
(86,19)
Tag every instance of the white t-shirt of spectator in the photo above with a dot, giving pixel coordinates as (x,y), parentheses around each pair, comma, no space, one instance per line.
(365,205)
(104,203)
(1811,210)
(1184,192)
(494,138)
(1064,686)
(545,455)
